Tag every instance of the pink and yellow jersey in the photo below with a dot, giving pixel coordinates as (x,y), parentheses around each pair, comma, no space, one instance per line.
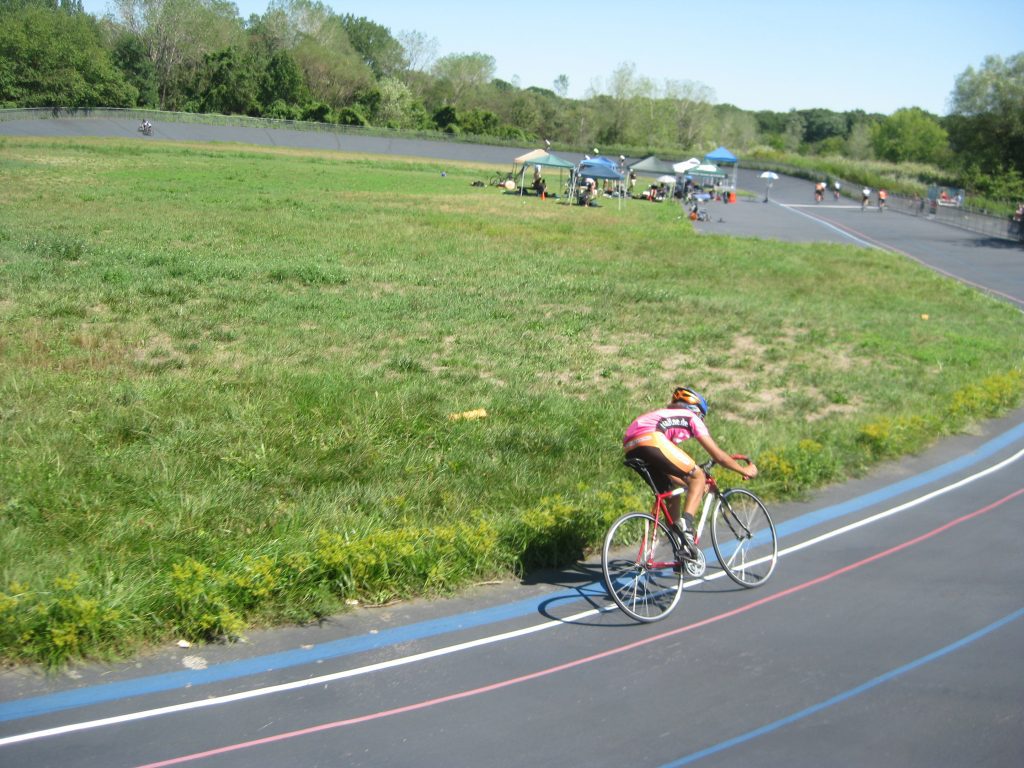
(676,424)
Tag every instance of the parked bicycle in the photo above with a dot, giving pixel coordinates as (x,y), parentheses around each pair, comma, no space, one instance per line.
(644,561)
(501,179)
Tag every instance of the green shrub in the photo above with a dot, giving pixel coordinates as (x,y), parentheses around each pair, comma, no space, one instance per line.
(56,625)
(202,603)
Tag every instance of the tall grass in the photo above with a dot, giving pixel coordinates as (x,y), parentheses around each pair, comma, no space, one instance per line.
(229,378)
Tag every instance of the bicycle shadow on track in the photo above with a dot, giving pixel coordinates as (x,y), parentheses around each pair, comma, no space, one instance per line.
(583,581)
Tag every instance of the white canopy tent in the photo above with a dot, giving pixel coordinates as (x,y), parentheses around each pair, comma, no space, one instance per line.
(685,166)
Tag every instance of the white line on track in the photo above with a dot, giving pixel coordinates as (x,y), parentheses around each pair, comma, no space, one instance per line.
(357,671)
(833,227)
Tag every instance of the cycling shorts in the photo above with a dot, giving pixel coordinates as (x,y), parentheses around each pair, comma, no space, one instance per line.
(664,459)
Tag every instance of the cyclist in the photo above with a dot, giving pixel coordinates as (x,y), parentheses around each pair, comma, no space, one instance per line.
(883,198)
(865,198)
(654,437)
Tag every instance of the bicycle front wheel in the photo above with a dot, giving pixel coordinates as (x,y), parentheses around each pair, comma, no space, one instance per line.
(744,539)
(639,564)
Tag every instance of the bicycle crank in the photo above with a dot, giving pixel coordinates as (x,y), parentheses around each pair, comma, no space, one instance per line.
(695,567)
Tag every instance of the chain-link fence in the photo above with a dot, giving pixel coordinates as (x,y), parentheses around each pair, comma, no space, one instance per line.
(946,213)
(936,210)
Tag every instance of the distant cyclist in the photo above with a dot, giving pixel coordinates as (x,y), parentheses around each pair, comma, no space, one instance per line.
(835,189)
(883,199)
(654,437)
(865,198)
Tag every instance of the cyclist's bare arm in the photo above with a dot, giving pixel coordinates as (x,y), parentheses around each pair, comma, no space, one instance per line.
(748,471)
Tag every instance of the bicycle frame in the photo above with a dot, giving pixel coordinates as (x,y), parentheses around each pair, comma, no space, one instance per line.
(711,495)
(659,511)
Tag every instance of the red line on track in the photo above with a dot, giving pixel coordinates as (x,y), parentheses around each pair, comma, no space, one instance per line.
(588,659)
(922,262)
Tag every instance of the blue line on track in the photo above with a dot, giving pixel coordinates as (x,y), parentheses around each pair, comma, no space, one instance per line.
(81,697)
(846,695)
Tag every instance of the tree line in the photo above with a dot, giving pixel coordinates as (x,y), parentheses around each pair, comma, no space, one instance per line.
(302,61)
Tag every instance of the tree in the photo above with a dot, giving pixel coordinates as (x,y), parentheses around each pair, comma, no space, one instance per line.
(793,133)
(460,76)
(622,97)
(910,135)
(480,122)
(561,85)
(690,105)
(420,51)
(858,143)
(734,127)
(129,55)
(446,117)
(821,124)
(382,53)
(178,35)
(282,80)
(51,57)
(229,84)
(396,107)
(986,122)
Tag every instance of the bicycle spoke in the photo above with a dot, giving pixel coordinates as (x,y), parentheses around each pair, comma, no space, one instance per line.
(637,561)
(744,538)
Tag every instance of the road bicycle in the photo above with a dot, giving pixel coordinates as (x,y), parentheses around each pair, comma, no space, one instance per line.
(500,179)
(644,561)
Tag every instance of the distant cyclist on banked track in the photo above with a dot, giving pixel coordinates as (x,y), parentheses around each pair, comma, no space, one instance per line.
(654,438)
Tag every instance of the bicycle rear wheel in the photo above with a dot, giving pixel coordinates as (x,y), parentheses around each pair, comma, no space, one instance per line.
(744,539)
(640,572)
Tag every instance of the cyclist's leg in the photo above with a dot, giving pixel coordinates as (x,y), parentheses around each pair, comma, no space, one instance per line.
(671,468)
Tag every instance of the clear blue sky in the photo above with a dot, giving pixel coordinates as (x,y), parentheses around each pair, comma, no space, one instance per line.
(756,54)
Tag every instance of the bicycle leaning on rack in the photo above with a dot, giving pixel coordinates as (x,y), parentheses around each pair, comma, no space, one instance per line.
(644,561)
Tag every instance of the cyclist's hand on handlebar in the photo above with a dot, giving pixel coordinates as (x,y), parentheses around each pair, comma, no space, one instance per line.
(749,471)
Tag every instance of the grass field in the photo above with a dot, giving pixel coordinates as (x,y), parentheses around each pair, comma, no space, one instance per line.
(230,375)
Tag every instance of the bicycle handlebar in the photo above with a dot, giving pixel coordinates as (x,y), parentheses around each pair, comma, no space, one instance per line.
(707,465)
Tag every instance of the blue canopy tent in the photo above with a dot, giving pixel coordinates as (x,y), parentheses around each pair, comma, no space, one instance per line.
(597,168)
(723,156)
(604,160)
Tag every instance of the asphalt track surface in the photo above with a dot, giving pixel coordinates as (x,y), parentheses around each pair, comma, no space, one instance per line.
(891,633)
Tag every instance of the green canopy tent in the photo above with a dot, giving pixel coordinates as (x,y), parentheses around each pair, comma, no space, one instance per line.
(544,160)
(520,162)
(707,173)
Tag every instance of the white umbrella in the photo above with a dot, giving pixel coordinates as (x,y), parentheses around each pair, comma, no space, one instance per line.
(770,175)
(666,179)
